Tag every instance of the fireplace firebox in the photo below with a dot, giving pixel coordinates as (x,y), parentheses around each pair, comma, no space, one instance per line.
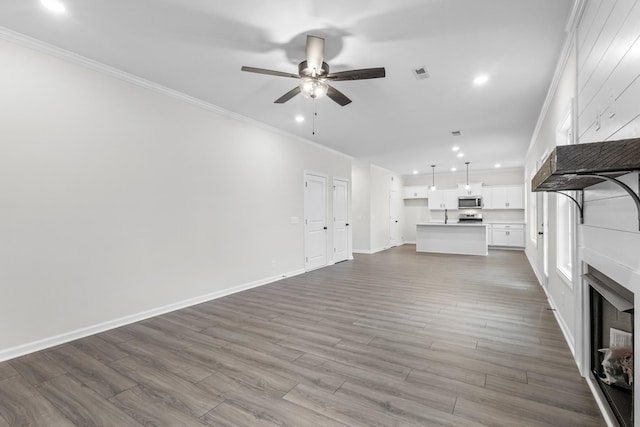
(611,349)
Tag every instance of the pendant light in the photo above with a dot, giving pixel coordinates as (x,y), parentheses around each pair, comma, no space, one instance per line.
(433,177)
(467,186)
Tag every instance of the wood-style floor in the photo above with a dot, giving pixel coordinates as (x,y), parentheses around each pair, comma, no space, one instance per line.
(392,339)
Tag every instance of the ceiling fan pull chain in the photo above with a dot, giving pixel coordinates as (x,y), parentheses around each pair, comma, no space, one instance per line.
(315,113)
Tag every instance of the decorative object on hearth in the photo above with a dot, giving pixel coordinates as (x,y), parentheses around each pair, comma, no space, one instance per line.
(617,364)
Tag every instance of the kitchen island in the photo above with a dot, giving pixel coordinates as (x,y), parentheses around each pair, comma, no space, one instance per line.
(452,238)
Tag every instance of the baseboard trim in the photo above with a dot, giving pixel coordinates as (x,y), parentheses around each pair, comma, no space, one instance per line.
(21,350)
(369,251)
(568,337)
(362,251)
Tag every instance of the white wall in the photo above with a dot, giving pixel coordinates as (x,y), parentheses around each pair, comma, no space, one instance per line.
(452,179)
(415,211)
(116,200)
(562,295)
(361,183)
(371,187)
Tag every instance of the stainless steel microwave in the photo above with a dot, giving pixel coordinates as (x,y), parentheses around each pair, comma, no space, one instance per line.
(469,202)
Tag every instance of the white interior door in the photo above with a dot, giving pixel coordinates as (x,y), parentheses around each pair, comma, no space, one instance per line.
(340,220)
(315,222)
(394,220)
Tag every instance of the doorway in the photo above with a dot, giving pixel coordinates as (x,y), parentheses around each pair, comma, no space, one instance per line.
(340,220)
(315,220)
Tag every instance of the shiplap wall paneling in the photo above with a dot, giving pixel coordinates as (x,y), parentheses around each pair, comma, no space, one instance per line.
(608,70)
(608,204)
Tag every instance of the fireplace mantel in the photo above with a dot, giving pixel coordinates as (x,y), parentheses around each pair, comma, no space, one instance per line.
(578,166)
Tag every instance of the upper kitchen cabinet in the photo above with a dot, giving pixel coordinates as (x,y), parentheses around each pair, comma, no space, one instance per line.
(475,189)
(415,192)
(487,197)
(503,197)
(440,200)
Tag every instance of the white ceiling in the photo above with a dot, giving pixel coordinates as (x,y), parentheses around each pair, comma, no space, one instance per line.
(198,46)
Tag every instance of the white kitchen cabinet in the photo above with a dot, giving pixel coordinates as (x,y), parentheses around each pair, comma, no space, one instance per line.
(440,200)
(415,192)
(507,235)
(487,198)
(504,197)
(475,189)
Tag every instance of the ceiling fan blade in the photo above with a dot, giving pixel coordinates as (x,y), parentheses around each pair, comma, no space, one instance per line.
(363,74)
(269,72)
(287,96)
(337,96)
(315,52)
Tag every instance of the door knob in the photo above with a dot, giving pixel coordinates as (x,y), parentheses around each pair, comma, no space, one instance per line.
(324,228)
(540,233)
(347,224)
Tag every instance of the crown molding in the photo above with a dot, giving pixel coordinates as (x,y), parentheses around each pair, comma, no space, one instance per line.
(575,15)
(68,56)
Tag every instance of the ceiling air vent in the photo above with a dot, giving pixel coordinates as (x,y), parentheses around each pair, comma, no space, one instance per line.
(456,133)
(421,73)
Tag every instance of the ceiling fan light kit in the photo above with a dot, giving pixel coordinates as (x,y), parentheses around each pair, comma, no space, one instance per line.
(313,88)
(314,74)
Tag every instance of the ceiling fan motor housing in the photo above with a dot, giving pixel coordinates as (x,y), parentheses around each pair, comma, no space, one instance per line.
(305,71)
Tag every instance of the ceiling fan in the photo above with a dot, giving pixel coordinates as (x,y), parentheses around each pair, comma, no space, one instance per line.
(314,75)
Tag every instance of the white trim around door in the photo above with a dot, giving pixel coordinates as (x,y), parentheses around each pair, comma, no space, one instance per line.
(341,227)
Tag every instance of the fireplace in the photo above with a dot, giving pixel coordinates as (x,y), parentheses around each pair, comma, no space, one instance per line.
(611,348)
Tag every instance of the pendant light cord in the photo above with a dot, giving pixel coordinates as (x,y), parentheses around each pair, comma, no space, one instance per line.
(467,186)
(433,177)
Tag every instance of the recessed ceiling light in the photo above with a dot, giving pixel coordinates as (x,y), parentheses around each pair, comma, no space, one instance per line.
(299,119)
(453,169)
(415,172)
(460,155)
(480,80)
(456,148)
(54,6)
(497,165)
